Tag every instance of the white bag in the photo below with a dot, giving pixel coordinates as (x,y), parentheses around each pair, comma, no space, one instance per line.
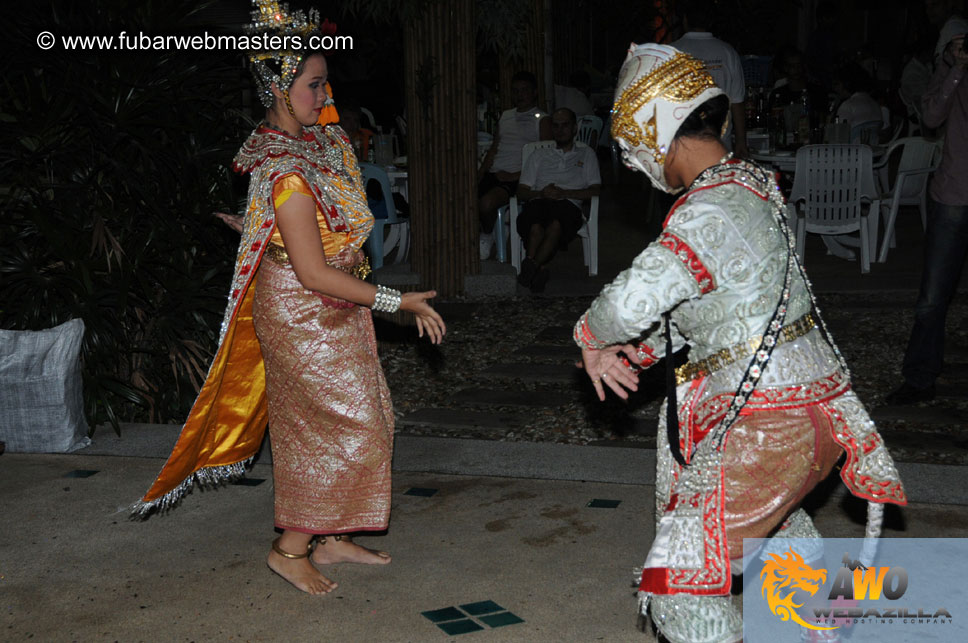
(41,392)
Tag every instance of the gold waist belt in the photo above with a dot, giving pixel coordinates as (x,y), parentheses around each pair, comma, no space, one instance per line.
(726,356)
(361,270)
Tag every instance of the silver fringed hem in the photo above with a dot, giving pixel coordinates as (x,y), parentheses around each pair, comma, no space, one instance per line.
(210,477)
(687,618)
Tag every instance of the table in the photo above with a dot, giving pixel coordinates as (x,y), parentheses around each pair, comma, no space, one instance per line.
(781,160)
(786,160)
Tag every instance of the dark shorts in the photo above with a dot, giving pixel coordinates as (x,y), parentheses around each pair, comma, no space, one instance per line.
(545,211)
(490,181)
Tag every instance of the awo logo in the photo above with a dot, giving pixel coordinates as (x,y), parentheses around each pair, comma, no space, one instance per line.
(785,576)
(782,577)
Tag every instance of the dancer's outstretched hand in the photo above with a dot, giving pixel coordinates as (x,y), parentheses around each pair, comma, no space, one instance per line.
(233,221)
(428,320)
(609,367)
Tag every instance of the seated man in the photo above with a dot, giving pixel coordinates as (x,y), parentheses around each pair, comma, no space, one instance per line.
(501,167)
(793,81)
(858,107)
(555,179)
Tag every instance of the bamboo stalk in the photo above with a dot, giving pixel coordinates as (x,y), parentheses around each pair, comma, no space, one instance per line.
(443,191)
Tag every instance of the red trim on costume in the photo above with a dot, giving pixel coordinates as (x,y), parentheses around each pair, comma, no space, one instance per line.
(711,412)
(646,353)
(689,259)
(727,178)
(861,485)
(714,578)
(584,336)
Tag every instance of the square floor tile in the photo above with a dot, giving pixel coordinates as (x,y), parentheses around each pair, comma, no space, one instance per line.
(500,620)
(249,482)
(80,473)
(445,614)
(599,503)
(482,607)
(460,627)
(423,492)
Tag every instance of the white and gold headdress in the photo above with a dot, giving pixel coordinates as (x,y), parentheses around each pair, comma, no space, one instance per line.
(276,60)
(658,87)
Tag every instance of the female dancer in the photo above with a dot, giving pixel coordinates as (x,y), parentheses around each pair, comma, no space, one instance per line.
(297,346)
(764,404)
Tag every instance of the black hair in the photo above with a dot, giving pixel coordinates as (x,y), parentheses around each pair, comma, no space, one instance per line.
(706,121)
(854,78)
(569,113)
(786,53)
(698,13)
(525,77)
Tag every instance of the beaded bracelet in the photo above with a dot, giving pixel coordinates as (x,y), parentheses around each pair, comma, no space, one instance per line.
(387,300)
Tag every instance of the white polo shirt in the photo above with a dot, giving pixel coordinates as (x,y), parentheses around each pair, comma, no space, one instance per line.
(575,169)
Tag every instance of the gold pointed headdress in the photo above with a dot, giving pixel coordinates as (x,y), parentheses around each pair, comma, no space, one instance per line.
(659,86)
(280,35)
(679,79)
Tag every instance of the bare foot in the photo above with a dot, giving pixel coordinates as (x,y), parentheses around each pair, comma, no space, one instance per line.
(346,551)
(301,573)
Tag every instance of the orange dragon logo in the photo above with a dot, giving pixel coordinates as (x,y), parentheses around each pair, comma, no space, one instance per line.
(790,572)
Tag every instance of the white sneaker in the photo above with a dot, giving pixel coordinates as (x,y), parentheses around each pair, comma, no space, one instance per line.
(487,245)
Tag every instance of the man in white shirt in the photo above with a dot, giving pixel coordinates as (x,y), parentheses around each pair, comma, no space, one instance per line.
(499,172)
(554,181)
(859,107)
(723,64)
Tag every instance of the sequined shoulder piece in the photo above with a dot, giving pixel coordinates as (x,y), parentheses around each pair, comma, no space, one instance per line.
(264,144)
(745,174)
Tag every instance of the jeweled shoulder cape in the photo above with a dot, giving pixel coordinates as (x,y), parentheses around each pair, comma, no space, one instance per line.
(227,423)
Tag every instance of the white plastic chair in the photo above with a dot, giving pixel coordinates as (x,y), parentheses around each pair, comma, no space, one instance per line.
(399,236)
(369,115)
(915,125)
(919,158)
(895,134)
(484,141)
(589,130)
(588,231)
(830,187)
(500,240)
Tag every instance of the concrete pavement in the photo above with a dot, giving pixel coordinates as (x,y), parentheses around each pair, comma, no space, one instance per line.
(510,530)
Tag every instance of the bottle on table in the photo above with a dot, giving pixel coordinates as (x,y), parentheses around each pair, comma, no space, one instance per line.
(803,120)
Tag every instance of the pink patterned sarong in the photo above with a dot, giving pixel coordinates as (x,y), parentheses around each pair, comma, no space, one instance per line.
(330,416)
